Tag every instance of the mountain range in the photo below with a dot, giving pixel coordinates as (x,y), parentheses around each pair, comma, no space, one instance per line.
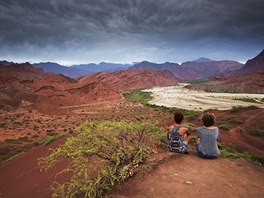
(202,68)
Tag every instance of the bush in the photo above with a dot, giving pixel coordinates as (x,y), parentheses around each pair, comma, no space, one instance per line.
(113,150)
(247,100)
(233,119)
(257,132)
(224,127)
(50,139)
(240,108)
(170,110)
(230,152)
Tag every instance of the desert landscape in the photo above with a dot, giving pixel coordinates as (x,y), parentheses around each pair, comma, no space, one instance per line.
(181,97)
(42,110)
(89,89)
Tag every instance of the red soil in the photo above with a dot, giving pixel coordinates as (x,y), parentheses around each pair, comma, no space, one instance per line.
(22,177)
(191,176)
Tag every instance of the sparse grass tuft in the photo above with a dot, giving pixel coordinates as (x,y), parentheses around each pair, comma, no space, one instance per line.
(170,110)
(233,119)
(230,152)
(224,127)
(253,100)
(50,139)
(257,132)
(240,108)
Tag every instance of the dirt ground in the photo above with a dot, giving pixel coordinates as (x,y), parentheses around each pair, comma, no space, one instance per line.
(191,176)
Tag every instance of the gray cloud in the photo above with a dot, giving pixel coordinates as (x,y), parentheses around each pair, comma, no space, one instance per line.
(129,30)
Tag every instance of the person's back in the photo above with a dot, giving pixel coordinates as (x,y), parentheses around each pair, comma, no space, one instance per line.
(208,140)
(207,137)
(178,137)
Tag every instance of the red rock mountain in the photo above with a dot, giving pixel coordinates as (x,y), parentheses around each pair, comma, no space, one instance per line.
(254,65)
(249,79)
(136,79)
(22,85)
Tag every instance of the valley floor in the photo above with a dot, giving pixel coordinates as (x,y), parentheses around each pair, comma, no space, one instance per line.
(180,97)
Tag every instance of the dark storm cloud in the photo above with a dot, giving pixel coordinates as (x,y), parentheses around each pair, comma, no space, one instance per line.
(117,27)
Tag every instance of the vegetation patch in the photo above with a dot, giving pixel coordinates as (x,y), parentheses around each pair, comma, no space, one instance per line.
(138,96)
(253,100)
(240,108)
(224,127)
(50,139)
(233,119)
(230,152)
(112,150)
(170,110)
(257,132)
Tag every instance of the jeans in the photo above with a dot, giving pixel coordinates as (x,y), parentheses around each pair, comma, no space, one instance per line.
(201,154)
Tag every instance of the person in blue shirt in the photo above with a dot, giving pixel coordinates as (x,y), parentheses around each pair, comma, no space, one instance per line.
(207,137)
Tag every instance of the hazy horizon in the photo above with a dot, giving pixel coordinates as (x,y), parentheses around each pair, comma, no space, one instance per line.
(117,31)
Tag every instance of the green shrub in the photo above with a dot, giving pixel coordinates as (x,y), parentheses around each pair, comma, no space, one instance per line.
(170,110)
(13,141)
(240,108)
(50,139)
(247,100)
(138,96)
(117,147)
(257,132)
(230,152)
(224,127)
(233,119)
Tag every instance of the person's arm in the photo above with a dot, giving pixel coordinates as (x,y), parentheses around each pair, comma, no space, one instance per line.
(168,131)
(198,140)
(184,131)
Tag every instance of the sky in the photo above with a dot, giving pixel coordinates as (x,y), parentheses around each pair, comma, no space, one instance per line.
(127,31)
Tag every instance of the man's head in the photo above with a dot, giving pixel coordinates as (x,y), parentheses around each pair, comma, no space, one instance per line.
(208,119)
(178,117)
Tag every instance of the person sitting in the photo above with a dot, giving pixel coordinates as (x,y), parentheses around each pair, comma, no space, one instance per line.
(207,137)
(178,136)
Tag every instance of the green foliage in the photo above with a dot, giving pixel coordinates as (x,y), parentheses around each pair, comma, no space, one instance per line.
(240,108)
(224,127)
(138,96)
(18,141)
(230,152)
(233,119)
(198,81)
(189,126)
(253,100)
(50,139)
(257,132)
(170,110)
(113,150)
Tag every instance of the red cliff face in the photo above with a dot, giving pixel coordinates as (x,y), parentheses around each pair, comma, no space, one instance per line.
(254,65)
(136,79)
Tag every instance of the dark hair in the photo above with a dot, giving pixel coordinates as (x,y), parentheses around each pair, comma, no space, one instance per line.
(178,117)
(208,119)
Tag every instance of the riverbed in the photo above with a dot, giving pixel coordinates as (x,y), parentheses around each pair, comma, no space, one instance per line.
(181,97)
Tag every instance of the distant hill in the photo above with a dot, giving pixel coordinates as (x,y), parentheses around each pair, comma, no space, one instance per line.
(192,70)
(23,84)
(202,60)
(103,66)
(4,62)
(254,65)
(248,79)
(60,69)
(135,79)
